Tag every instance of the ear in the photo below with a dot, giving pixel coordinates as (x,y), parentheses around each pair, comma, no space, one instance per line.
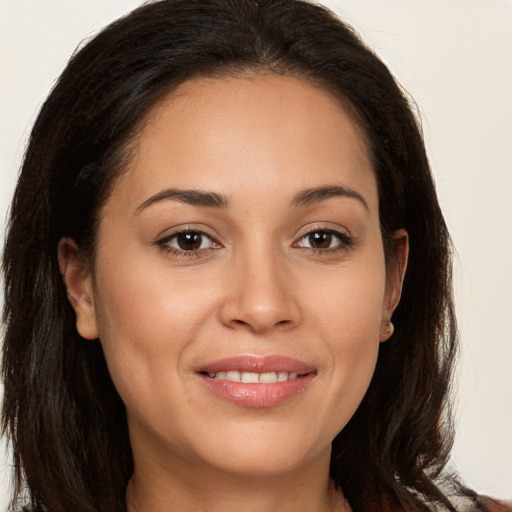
(394,281)
(77,278)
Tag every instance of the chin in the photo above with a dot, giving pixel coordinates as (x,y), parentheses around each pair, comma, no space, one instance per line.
(264,449)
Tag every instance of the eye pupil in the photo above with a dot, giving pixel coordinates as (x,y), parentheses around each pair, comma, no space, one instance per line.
(320,239)
(189,241)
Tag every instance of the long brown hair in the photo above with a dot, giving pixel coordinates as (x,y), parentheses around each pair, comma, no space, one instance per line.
(64,417)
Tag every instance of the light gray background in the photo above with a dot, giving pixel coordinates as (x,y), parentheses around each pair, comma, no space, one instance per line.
(455,58)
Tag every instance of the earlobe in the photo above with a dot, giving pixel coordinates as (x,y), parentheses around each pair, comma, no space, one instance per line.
(77,278)
(386,331)
(394,281)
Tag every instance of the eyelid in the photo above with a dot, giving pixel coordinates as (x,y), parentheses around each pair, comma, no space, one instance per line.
(322,226)
(174,238)
(186,228)
(163,240)
(346,239)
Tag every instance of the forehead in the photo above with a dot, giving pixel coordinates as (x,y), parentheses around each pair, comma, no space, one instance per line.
(269,130)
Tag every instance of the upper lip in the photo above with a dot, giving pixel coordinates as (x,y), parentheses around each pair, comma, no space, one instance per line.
(249,363)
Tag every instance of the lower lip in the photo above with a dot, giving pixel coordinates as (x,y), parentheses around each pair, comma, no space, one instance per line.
(258,395)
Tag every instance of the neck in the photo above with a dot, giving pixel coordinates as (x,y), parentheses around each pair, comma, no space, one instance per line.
(200,489)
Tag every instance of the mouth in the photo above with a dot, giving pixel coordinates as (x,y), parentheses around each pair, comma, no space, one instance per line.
(253,377)
(257,381)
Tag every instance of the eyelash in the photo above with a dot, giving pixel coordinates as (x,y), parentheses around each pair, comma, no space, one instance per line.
(344,242)
(164,243)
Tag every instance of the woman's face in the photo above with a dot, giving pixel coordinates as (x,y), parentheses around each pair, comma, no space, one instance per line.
(239,288)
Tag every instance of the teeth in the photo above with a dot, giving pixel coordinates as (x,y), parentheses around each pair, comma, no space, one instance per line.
(233,375)
(253,377)
(268,378)
(282,376)
(249,377)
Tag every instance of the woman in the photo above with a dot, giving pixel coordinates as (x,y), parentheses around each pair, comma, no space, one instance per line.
(221,205)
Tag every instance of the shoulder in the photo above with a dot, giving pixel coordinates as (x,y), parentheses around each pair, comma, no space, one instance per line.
(479,503)
(486,504)
(464,499)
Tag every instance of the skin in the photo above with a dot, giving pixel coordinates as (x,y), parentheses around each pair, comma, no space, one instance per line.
(256,286)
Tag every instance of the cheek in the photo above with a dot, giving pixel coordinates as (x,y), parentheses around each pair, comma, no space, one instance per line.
(347,317)
(355,358)
(146,321)
(348,304)
(138,303)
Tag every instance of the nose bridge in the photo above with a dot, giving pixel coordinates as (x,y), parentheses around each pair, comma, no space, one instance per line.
(260,296)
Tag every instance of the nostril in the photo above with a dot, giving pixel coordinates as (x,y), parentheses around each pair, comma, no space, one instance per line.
(260,326)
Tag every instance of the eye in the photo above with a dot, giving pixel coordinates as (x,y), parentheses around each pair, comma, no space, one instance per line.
(324,240)
(188,242)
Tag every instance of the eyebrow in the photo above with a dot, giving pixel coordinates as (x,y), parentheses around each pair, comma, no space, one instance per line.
(192,197)
(214,200)
(318,194)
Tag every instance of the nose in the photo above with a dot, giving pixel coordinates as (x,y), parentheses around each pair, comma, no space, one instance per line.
(261,295)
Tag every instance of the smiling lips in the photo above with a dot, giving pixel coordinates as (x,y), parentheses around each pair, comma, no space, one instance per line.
(255,381)
(253,377)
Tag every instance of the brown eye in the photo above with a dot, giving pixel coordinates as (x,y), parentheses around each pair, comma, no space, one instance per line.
(320,240)
(188,241)
(324,239)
